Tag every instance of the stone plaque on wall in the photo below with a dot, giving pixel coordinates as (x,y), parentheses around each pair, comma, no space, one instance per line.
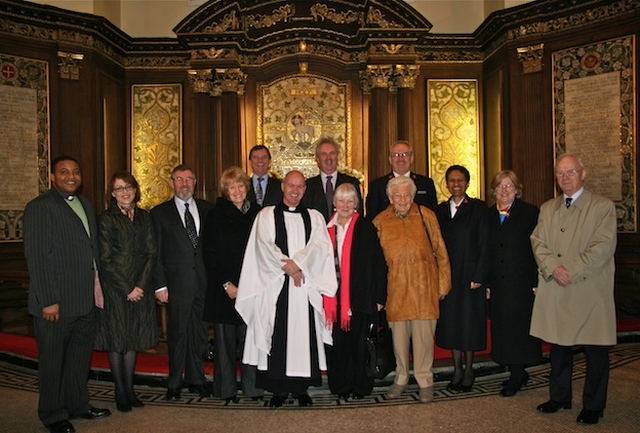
(594,115)
(24,141)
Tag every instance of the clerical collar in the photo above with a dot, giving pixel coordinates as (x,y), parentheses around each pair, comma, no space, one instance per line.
(71,197)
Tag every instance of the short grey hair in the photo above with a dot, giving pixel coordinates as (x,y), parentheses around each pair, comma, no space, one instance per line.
(346,190)
(401,181)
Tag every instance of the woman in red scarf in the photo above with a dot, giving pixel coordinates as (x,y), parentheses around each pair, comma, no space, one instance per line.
(362,291)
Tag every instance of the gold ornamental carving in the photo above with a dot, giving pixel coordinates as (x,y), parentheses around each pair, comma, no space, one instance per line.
(69,65)
(375,16)
(228,22)
(258,21)
(231,80)
(200,80)
(405,76)
(376,77)
(320,12)
(531,58)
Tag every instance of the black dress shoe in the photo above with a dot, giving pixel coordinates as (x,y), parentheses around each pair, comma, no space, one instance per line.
(257,398)
(357,396)
(344,395)
(202,390)
(95,413)
(589,416)
(553,406)
(135,402)
(62,426)
(511,388)
(276,401)
(231,399)
(172,394)
(304,400)
(123,407)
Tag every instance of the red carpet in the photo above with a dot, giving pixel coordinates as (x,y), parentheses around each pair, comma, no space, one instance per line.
(151,363)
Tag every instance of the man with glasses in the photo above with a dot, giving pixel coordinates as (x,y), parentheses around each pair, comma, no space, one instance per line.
(181,281)
(400,158)
(574,245)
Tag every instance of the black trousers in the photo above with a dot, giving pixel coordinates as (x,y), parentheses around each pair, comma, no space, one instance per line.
(64,360)
(594,395)
(229,344)
(347,358)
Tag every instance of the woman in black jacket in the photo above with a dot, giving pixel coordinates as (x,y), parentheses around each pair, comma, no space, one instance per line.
(225,240)
(128,322)
(513,277)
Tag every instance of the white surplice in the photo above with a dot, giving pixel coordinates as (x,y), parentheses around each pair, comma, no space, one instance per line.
(261,281)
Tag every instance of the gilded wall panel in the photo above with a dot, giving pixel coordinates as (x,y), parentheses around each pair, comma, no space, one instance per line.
(295,112)
(156,139)
(454,133)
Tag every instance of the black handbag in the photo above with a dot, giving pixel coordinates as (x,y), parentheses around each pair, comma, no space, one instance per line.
(381,360)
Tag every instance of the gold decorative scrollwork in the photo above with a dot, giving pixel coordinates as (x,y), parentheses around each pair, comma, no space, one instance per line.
(228,22)
(320,12)
(374,16)
(231,80)
(376,76)
(283,13)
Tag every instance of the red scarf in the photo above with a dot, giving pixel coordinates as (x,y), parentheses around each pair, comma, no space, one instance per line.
(331,304)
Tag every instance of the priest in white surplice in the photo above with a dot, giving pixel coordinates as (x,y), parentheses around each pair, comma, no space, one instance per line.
(288,265)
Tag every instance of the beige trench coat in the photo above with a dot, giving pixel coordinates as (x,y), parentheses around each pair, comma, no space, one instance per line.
(582,238)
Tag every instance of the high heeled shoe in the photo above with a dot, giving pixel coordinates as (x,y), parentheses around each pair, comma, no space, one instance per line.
(466,387)
(511,389)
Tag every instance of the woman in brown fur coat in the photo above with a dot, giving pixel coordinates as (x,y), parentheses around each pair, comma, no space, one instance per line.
(419,277)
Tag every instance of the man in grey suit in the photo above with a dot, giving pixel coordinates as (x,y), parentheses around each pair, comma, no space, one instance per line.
(264,190)
(320,188)
(181,281)
(61,247)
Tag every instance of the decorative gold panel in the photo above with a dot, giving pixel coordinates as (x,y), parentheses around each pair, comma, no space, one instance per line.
(454,134)
(295,112)
(156,139)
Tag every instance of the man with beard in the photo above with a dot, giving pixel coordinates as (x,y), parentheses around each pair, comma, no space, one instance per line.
(181,281)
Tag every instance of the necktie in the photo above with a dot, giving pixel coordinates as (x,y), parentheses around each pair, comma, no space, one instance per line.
(329,194)
(190,225)
(567,201)
(259,192)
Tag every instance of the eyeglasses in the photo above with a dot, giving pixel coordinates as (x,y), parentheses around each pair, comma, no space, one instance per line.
(508,186)
(571,173)
(122,189)
(188,179)
(403,154)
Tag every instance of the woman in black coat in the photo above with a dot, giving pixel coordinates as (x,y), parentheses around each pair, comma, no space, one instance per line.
(128,322)
(514,275)
(462,326)
(225,239)
(362,292)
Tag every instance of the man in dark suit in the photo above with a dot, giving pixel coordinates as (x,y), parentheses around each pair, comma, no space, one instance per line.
(61,247)
(264,189)
(181,281)
(320,188)
(400,157)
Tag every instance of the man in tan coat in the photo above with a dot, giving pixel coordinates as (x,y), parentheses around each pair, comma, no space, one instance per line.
(574,243)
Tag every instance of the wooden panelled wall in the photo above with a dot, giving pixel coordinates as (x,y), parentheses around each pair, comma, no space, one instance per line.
(90,118)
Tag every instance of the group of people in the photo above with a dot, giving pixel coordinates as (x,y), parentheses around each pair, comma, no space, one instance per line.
(293,276)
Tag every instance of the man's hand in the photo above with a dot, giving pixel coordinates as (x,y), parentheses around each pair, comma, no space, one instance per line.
(162,296)
(561,275)
(51,313)
(290,268)
(232,291)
